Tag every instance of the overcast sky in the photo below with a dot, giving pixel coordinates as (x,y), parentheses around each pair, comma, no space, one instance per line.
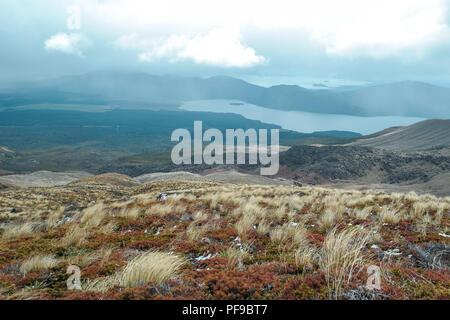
(359,40)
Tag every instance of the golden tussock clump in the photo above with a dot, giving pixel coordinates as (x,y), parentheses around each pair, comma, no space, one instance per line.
(340,257)
(18,231)
(74,236)
(152,266)
(38,263)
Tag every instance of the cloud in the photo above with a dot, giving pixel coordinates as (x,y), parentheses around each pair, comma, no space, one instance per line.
(346,28)
(388,29)
(69,43)
(221,47)
(135,41)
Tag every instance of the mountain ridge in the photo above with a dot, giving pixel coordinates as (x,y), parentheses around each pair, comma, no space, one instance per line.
(406,98)
(424,135)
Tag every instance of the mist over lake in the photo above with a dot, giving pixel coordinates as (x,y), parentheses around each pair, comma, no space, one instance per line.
(300,121)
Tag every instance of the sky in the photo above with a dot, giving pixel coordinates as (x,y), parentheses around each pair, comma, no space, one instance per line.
(267,41)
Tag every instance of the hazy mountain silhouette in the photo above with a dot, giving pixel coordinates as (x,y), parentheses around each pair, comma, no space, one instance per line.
(400,99)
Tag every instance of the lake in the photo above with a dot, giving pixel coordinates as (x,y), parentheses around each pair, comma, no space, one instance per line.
(300,121)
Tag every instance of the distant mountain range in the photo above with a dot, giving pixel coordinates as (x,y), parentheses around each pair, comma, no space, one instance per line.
(407,98)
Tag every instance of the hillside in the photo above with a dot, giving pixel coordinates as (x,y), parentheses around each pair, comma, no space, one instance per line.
(364,164)
(42,179)
(207,240)
(424,135)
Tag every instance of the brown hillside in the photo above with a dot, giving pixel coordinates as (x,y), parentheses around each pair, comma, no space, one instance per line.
(423,135)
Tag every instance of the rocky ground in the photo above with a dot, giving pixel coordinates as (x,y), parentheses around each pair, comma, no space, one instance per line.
(334,165)
(364,163)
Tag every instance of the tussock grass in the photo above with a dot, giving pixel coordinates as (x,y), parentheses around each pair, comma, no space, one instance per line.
(244,225)
(129,213)
(152,266)
(235,257)
(200,216)
(389,215)
(54,217)
(263,227)
(329,218)
(194,232)
(87,259)
(364,213)
(306,257)
(341,255)
(74,236)
(18,231)
(161,209)
(93,216)
(250,208)
(289,225)
(297,233)
(38,263)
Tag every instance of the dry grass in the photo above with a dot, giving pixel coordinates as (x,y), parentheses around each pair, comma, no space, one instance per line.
(75,236)
(329,218)
(85,260)
(263,227)
(245,224)
(54,217)
(341,255)
(249,208)
(389,215)
(18,231)
(151,266)
(295,232)
(38,263)
(235,257)
(364,213)
(129,213)
(195,232)
(93,216)
(253,227)
(162,209)
(306,257)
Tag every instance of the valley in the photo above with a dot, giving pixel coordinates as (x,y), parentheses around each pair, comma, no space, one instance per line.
(94,186)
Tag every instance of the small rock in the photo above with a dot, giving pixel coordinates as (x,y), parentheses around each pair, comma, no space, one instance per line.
(393,252)
(207,240)
(362,293)
(187,217)
(129,254)
(203,258)
(162,197)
